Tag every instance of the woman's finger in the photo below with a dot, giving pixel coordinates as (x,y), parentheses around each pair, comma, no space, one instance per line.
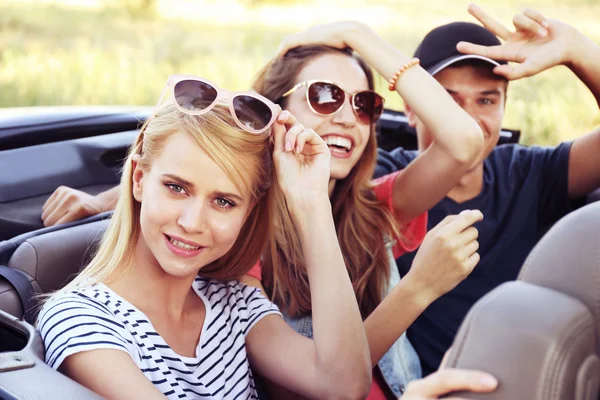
(468,250)
(71,216)
(58,212)
(524,23)
(488,22)
(311,137)
(463,221)
(51,199)
(467,236)
(291,137)
(279,134)
(451,380)
(472,261)
(51,204)
(447,220)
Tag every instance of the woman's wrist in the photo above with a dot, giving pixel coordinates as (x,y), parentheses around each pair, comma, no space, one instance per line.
(422,295)
(309,209)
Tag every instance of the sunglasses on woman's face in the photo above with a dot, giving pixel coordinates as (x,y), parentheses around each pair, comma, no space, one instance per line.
(326,98)
(196,96)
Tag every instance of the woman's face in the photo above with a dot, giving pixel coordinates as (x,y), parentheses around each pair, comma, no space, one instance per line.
(191,212)
(342,128)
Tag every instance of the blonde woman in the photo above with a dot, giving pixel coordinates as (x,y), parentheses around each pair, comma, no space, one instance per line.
(156,312)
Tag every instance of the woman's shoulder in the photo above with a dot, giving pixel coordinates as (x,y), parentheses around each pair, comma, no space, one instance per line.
(78,320)
(93,298)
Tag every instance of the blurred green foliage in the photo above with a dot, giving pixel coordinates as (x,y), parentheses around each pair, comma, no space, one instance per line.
(123,51)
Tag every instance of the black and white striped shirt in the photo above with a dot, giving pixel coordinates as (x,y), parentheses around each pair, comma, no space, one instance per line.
(95,317)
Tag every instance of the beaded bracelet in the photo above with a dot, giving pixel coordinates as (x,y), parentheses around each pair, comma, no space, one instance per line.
(396,76)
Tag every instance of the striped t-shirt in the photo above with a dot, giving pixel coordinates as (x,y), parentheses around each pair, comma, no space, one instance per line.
(95,317)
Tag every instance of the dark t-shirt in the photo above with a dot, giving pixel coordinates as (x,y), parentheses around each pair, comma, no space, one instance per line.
(525,190)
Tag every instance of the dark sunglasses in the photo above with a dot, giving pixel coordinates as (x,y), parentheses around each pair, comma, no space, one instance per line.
(196,96)
(326,98)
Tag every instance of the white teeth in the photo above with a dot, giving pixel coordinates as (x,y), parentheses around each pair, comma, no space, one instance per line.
(338,141)
(182,245)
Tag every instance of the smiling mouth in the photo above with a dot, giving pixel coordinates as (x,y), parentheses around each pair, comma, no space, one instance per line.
(338,143)
(182,245)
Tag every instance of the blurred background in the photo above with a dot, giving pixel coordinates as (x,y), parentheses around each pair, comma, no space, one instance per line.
(105,52)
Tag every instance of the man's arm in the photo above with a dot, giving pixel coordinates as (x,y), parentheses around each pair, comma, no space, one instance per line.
(584,169)
(539,44)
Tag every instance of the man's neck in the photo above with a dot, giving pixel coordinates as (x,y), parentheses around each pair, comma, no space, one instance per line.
(469,186)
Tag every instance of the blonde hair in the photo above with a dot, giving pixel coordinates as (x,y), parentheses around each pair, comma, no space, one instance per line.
(245,158)
(362,221)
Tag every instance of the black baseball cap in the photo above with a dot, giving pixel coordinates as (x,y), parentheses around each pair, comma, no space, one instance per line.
(438,48)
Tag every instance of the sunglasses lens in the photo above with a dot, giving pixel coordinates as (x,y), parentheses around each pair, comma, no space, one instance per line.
(325,98)
(368,106)
(253,113)
(194,95)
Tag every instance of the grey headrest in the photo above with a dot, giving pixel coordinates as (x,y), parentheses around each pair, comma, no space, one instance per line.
(567,258)
(540,344)
(51,259)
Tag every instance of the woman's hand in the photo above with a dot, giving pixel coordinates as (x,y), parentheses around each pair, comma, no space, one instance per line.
(333,34)
(449,380)
(447,255)
(302,162)
(537,43)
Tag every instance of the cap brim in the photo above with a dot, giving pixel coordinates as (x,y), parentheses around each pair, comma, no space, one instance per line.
(452,60)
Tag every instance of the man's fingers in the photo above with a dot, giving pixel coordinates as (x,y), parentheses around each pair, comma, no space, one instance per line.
(494,52)
(517,71)
(524,23)
(537,17)
(488,22)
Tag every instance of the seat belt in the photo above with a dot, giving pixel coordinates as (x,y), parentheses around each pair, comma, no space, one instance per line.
(24,288)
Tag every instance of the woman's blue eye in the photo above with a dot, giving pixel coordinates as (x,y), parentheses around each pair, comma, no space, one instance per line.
(175,188)
(221,202)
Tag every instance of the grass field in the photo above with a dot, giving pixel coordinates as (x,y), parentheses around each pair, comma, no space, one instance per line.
(103,52)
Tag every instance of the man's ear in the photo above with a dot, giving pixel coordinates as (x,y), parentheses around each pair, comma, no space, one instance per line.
(137,177)
(412,117)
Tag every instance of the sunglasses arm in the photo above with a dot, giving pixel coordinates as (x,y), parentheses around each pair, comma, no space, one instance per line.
(292,90)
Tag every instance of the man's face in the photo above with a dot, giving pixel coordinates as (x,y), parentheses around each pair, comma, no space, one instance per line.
(481,93)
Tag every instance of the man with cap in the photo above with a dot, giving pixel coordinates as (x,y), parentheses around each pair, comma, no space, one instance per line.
(521,191)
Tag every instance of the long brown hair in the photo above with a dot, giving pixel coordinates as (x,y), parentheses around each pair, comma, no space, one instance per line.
(362,222)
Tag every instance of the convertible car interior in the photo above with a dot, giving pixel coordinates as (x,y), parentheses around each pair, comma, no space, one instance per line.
(538,335)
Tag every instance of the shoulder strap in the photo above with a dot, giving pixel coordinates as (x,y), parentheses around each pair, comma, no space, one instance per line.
(24,288)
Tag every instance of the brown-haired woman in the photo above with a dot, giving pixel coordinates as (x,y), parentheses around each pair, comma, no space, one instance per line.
(320,80)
